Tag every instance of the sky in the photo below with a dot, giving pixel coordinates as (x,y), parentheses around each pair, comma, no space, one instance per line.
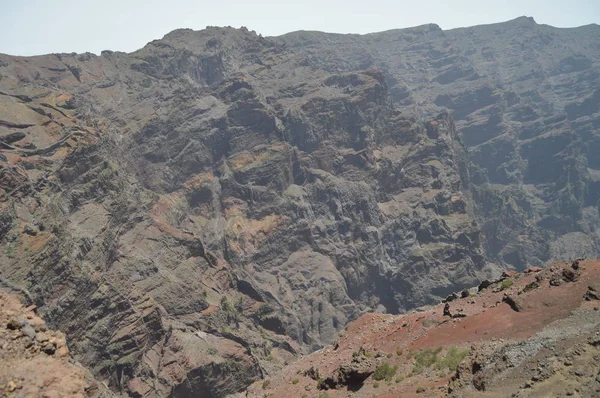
(32,27)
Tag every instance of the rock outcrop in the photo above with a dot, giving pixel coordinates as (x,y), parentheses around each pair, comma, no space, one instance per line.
(35,361)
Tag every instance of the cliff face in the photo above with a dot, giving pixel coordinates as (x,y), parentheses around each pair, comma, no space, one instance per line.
(526,103)
(195,214)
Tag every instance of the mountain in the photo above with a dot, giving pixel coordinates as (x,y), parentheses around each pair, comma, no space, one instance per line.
(198,213)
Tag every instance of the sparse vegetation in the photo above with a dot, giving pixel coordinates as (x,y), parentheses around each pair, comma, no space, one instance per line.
(266,384)
(320,383)
(384,371)
(399,379)
(506,284)
(323,394)
(225,306)
(212,351)
(239,305)
(425,359)
(452,359)
(420,389)
(10,251)
(429,357)
(376,384)
(295,381)
(389,355)
(263,311)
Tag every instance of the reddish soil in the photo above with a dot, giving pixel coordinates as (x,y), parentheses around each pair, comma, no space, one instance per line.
(395,339)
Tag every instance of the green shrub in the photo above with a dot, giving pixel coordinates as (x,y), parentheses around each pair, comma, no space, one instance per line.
(264,310)
(506,284)
(452,359)
(212,351)
(425,358)
(384,371)
(295,381)
(225,306)
(399,379)
(420,389)
(399,351)
(266,384)
(376,384)
(389,355)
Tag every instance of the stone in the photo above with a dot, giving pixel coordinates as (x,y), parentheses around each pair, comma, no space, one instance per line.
(11,386)
(49,348)
(28,331)
(30,229)
(514,303)
(13,324)
(530,270)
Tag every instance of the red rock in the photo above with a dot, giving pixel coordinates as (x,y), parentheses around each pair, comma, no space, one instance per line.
(532,270)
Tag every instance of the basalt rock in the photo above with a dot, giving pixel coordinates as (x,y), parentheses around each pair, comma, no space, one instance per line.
(531,133)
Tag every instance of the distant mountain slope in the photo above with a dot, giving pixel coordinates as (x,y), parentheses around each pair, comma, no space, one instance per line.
(526,101)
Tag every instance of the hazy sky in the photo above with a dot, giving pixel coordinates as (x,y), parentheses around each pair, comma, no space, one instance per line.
(29,27)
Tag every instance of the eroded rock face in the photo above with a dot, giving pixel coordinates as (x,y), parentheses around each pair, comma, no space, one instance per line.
(263,193)
(526,103)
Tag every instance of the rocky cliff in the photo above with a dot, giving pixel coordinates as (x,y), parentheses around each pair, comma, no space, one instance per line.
(526,102)
(197,213)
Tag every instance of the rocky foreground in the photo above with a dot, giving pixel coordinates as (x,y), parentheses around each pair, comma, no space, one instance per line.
(531,334)
(35,361)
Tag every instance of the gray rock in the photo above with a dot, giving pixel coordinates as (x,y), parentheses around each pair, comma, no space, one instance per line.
(28,331)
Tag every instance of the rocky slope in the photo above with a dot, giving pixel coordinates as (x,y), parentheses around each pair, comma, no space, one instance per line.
(35,361)
(535,334)
(197,213)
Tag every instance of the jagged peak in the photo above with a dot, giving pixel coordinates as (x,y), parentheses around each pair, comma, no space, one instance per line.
(212,37)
